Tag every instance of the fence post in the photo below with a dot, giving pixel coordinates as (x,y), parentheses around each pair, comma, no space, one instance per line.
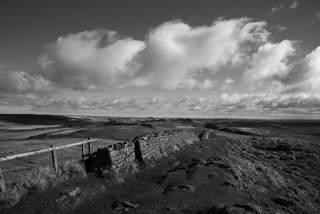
(89,147)
(54,159)
(2,183)
(83,149)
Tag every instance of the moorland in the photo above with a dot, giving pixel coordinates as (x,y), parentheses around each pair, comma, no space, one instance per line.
(243,166)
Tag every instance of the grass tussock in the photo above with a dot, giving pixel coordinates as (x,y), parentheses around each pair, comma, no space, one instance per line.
(252,174)
(39,180)
(73,169)
(10,197)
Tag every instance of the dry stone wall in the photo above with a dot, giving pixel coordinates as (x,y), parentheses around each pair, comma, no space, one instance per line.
(149,147)
(121,154)
(156,145)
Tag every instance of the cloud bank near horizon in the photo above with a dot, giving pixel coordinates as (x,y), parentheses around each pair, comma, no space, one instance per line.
(234,58)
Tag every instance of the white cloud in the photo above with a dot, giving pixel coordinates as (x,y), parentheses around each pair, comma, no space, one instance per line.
(225,105)
(294,5)
(276,9)
(90,60)
(19,82)
(76,105)
(176,53)
(195,84)
(233,56)
(267,103)
(251,104)
(172,57)
(229,81)
(282,28)
(208,83)
(312,62)
(270,63)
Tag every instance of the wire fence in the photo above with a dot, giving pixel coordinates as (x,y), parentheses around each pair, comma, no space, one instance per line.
(15,166)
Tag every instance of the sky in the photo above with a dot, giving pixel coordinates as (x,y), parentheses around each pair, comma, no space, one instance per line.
(164,58)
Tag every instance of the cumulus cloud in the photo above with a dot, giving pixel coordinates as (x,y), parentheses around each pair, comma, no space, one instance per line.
(90,60)
(270,63)
(176,53)
(172,57)
(19,82)
(312,62)
(232,57)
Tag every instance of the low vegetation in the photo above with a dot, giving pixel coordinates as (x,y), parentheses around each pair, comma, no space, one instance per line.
(39,180)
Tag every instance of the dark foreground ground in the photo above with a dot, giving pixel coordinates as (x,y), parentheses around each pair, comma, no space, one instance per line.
(247,166)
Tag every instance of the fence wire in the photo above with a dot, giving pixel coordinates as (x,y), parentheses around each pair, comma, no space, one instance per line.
(14,170)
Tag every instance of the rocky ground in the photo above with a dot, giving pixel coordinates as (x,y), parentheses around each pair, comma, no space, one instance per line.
(227,173)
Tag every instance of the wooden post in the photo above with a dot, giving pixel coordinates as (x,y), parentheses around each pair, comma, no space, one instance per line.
(2,183)
(89,148)
(54,159)
(83,148)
